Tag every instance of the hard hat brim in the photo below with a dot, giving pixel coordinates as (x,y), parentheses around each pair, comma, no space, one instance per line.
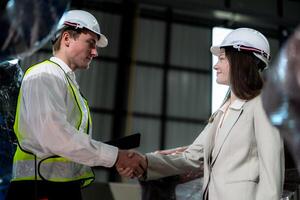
(215,50)
(102,42)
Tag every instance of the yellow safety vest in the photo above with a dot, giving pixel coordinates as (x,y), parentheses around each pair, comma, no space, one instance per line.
(27,166)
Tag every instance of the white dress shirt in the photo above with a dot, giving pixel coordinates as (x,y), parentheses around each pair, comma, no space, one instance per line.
(43,119)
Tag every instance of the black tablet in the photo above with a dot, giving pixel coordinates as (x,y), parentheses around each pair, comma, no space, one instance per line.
(127,142)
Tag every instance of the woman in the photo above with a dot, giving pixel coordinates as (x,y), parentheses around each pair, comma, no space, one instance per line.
(240,151)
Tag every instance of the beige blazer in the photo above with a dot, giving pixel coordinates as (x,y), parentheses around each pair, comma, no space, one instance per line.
(247,162)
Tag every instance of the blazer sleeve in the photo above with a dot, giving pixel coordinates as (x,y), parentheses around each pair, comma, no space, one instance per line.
(167,165)
(270,155)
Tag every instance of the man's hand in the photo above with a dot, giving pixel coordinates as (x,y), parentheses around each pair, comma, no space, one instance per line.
(131,164)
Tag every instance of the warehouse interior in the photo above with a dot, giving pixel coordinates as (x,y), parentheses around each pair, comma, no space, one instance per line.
(155,76)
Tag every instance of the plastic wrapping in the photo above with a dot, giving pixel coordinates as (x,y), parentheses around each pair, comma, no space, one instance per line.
(26,25)
(190,190)
(281,94)
(10,81)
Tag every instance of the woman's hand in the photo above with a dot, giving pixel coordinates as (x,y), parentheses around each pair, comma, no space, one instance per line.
(172,151)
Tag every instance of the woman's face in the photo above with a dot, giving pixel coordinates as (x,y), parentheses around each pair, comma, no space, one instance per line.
(223,69)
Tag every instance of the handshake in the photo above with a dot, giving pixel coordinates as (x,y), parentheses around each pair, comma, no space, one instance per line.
(131,164)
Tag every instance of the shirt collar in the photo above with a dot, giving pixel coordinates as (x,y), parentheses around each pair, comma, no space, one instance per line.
(224,106)
(66,69)
(62,64)
(236,105)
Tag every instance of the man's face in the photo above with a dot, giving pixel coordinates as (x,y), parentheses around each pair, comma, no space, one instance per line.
(82,50)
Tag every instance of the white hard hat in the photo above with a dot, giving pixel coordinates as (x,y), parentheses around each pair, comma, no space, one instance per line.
(246,39)
(81,19)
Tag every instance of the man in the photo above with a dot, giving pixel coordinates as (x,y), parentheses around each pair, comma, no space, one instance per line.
(53,121)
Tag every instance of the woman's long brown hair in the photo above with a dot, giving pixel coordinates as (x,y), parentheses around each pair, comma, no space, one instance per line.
(245,78)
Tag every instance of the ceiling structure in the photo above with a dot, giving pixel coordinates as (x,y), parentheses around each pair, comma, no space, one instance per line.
(276,18)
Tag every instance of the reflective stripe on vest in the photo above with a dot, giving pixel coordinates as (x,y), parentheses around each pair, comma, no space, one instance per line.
(28,167)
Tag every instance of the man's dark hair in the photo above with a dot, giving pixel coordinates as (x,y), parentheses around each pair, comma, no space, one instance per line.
(74,33)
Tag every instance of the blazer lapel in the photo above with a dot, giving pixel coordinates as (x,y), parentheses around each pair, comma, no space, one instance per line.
(211,136)
(208,146)
(229,122)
